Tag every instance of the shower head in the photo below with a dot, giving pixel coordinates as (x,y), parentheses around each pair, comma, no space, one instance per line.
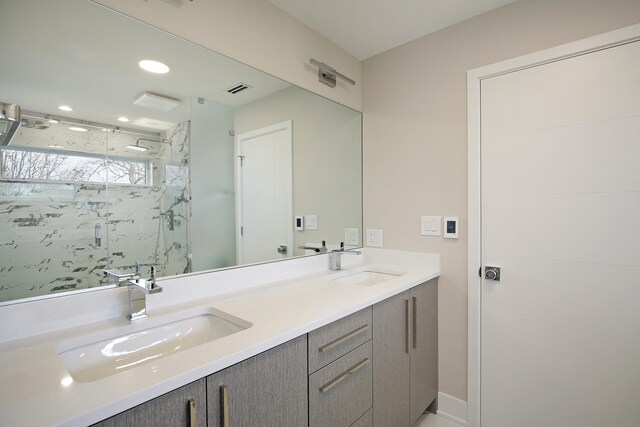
(9,122)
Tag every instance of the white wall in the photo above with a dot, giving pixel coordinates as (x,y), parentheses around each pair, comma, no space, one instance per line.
(212,186)
(256,33)
(327,172)
(415,160)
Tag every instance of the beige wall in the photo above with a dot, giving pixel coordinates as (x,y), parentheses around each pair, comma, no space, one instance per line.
(256,33)
(414,104)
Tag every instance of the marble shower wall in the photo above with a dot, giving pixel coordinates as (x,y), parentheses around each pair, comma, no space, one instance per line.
(48,229)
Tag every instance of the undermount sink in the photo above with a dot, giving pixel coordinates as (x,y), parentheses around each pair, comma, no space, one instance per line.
(366,277)
(107,353)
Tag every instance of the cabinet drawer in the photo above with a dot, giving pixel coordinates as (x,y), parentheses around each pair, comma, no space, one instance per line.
(365,421)
(338,338)
(341,392)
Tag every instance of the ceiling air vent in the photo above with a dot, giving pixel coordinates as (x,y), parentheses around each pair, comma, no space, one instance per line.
(238,88)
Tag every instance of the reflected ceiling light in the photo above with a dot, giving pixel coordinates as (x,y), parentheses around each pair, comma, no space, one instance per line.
(136,148)
(56,147)
(65,108)
(153,66)
(54,121)
(123,119)
(78,129)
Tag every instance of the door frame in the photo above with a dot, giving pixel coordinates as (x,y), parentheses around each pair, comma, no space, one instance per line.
(474,281)
(287,126)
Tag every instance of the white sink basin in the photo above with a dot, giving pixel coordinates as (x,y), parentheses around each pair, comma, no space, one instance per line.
(366,277)
(107,353)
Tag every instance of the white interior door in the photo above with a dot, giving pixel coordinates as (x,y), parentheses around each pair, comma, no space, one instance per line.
(264,194)
(560,332)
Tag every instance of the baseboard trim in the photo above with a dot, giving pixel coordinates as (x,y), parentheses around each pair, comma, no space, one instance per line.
(452,408)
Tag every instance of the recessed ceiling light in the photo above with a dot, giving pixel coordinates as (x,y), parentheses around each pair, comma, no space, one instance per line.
(78,129)
(57,147)
(54,121)
(136,148)
(153,66)
(65,108)
(123,119)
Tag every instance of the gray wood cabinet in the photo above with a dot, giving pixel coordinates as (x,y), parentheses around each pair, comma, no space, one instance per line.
(391,361)
(268,390)
(331,379)
(423,358)
(405,348)
(185,406)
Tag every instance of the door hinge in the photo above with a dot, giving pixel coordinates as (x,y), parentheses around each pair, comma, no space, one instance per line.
(241,160)
(480,272)
(241,231)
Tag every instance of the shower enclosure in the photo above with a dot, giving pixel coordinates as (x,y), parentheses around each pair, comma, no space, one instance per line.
(77,198)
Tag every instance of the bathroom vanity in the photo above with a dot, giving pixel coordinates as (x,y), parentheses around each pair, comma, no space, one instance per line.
(316,348)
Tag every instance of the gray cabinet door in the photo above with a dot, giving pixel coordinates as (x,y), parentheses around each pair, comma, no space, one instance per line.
(176,408)
(391,362)
(268,390)
(424,347)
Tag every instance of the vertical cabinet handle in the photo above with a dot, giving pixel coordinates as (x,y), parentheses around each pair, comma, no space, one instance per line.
(407,324)
(414,310)
(224,405)
(193,418)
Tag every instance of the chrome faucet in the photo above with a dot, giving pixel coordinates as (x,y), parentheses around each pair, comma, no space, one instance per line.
(335,258)
(321,250)
(138,287)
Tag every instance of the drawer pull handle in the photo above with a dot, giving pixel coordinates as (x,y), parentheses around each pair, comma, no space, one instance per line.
(193,419)
(330,345)
(328,386)
(224,404)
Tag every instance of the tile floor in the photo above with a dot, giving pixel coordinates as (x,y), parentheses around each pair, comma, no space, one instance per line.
(433,420)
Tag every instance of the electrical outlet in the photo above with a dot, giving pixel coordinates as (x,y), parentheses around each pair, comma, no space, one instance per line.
(374,238)
(351,236)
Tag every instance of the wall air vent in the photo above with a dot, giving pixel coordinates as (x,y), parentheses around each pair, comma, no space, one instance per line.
(238,88)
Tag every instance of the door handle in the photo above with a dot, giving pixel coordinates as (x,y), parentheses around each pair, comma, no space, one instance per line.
(282,249)
(193,418)
(408,324)
(224,405)
(414,310)
(492,273)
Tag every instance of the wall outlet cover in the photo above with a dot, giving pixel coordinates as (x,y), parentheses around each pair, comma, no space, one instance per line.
(311,222)
(351,236)
(374,238)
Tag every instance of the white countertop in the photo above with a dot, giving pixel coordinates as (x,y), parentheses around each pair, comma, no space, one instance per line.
(36,389)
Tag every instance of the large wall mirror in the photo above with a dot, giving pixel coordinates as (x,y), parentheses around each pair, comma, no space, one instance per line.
(202,166)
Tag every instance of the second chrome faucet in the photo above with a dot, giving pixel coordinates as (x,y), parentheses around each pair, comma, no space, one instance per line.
(335,258)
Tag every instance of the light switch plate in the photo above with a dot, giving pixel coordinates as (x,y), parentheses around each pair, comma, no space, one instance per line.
(374,238)
(311,222)
(351,236)
(430,225)
(299,223)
